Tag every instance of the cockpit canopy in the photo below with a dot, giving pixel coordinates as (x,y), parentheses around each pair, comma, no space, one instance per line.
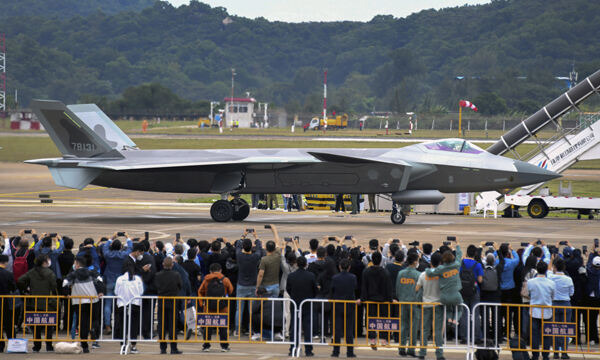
(454,145)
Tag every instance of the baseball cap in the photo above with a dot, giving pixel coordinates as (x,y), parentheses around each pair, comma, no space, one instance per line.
(567,252)
(596,261)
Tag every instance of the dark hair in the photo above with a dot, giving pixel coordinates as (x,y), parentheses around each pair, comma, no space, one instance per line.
(214,267)
(178,249)
(203,245)
(313,244)
(559,264)
(471,251)
(115,245)
(345,264)
(530,263)
(88,241)
(394,248)
(321,252)
(290,257)
(355,253)
(146,244)
(81,260)
(537,251)
(3,259)
(178,259)
(192,243)
(301,262)
(40,260)
(542,267)
(427,248)
(247,244)
(412,258)
(67,242)
(159,245)
(47,241)
(191,254)
(270,246)
(502,254)
(215,246)
(399,256)
(436,259)
(137,247)
(330,250)
(444,248)
(376,258)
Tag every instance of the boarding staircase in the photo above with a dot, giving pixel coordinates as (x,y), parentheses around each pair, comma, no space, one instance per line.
(559,152)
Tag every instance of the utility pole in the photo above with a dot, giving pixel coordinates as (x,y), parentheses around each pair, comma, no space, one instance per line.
(2,75)
(325,97)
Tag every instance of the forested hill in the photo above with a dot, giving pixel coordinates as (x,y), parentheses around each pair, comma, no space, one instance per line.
(68,8)
(509,52)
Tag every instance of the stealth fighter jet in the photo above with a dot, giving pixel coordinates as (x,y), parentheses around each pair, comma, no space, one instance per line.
(95,151)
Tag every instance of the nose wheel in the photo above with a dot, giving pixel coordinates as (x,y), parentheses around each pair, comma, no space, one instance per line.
(398,217)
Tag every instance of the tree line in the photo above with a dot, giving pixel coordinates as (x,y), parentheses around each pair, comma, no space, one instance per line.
(504,56)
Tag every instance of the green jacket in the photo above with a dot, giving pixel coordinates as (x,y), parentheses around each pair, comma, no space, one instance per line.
(405,285)
(449,274)
(39,281)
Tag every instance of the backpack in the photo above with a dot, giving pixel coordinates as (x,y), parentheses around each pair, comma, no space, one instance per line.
(20,265)
(216,288)
(467,280)
(490,279)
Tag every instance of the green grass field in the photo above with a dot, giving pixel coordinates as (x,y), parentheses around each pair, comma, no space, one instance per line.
(20,148)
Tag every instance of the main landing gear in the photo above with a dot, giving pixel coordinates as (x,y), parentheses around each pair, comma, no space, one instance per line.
(224,210)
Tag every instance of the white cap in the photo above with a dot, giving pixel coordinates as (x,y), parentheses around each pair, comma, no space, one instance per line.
(596,261)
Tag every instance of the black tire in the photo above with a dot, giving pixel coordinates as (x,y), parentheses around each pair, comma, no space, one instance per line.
(221,211)
(398,217)
(579,216)
(590,217)
(241,209)
(537,209)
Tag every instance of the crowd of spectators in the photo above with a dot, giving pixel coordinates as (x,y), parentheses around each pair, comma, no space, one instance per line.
(331,268)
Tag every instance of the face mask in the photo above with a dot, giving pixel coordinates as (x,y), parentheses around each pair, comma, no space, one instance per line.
(139,257)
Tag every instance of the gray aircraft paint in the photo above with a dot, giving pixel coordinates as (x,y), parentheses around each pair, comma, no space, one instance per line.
(318,170)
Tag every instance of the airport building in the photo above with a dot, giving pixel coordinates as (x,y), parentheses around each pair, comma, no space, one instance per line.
(239,111)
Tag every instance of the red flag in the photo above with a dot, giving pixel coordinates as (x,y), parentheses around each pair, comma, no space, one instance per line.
(465,103)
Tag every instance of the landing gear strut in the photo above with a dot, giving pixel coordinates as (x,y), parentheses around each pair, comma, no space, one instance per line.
(241,209)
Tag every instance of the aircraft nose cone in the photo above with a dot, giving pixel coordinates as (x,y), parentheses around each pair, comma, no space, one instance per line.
(530,174)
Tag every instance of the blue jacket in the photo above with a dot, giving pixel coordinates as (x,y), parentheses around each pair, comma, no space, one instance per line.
(114,261)
(52,254)
(593,277)
(507,280)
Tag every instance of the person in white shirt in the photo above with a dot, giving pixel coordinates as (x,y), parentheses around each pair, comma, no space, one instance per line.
(128,288)
(562,297)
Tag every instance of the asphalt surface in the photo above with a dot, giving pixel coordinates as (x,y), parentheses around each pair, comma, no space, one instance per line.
(97,211)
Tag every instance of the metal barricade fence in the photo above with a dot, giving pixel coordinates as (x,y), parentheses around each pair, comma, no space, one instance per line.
(55,318)
(524,327)
(403,325)
(198,317)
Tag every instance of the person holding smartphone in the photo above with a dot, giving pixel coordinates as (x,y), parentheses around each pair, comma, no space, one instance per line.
(248,262)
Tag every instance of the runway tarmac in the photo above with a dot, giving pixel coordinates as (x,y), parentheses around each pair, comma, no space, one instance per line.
(98,211)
